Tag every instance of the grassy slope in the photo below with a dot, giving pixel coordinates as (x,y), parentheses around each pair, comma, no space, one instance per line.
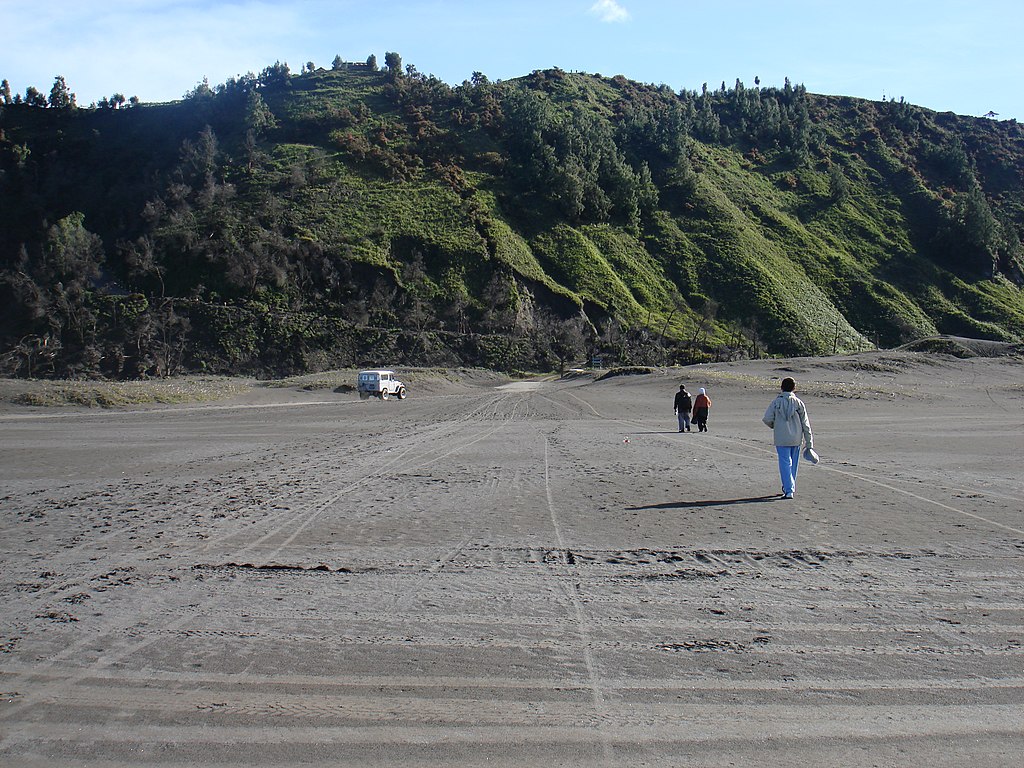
(760,238)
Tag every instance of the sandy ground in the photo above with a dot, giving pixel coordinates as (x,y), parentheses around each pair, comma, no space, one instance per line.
(535,574)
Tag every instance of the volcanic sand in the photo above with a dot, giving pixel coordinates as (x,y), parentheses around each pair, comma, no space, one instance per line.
(544,573)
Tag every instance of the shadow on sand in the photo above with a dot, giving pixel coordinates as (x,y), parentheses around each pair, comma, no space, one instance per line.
(710,502)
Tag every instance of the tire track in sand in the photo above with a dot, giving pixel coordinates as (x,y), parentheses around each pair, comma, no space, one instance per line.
(572,589)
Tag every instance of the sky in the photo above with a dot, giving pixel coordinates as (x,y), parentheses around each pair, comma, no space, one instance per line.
(962,56)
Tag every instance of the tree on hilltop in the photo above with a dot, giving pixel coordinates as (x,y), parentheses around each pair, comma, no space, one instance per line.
(201,91)
(60,96)
(34,98)
(393,62)
(276,74)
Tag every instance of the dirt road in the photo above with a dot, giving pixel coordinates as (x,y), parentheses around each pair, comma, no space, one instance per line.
(540,574)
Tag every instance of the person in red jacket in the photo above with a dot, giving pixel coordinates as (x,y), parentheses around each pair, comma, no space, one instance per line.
(701,407)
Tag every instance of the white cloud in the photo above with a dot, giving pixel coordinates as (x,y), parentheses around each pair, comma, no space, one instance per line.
(609,11)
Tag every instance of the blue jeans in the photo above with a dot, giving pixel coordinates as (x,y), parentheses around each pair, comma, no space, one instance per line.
(684,420)
(789,460)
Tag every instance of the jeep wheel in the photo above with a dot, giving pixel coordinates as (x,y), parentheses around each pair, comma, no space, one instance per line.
(384,394)
(401,393)
(363,396)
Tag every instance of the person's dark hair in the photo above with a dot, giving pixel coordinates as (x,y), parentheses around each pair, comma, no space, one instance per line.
(788,384)
(682,386)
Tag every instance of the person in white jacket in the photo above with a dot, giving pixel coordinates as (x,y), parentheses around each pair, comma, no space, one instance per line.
(787,416)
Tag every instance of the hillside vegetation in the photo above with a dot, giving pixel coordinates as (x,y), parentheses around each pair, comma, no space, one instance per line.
(284,223)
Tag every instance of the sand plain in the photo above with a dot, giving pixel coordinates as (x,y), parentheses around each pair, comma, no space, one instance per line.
(538,573)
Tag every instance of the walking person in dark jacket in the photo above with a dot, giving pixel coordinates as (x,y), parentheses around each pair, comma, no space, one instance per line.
(701,408)
(683,406)
(787,416)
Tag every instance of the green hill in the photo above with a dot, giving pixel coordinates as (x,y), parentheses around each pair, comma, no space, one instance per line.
(285,222)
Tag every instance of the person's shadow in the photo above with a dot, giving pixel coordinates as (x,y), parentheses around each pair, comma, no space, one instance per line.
(709,502)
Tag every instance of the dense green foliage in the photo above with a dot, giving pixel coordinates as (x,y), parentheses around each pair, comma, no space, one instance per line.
(282,223)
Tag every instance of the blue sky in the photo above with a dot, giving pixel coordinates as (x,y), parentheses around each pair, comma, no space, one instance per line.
(950,55)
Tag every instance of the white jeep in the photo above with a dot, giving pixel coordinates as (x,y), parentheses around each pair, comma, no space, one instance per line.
(382,384)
